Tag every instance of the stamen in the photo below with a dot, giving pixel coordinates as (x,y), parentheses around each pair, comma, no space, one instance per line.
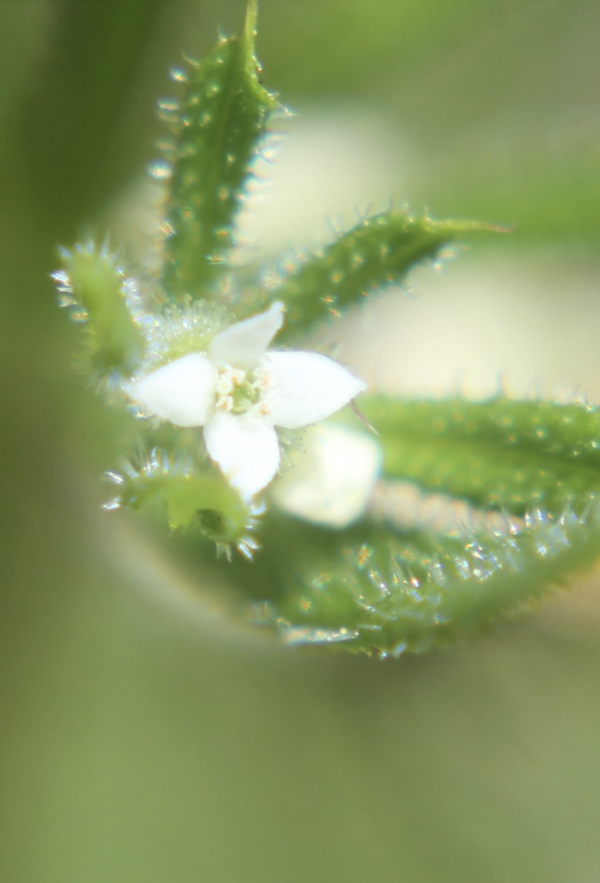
(224,384)
(263,380)
(235,391)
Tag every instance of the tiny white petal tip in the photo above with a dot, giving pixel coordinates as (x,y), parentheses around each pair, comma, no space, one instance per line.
(244,344)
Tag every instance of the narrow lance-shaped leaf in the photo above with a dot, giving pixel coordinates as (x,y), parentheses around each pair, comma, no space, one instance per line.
(498,454)
(379,251)
(93,285)
(370,589)
(216,129)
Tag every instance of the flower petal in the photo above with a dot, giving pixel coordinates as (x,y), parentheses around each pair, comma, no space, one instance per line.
(332,479)
(181,392)
(246,449)
(303,388)
(243,344)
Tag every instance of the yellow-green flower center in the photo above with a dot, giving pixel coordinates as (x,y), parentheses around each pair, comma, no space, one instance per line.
(237,391)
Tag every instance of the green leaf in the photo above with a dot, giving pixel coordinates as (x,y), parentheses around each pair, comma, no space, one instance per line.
(375,588)
(97,291)
(499,454)
(370,589)
(379,251)
(216,129)
(193,495)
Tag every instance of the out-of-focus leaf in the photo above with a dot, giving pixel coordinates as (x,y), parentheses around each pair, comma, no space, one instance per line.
(546,195)
(69,141)
(96,289)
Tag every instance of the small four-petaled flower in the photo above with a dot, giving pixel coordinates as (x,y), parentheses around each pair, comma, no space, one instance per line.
(239,392)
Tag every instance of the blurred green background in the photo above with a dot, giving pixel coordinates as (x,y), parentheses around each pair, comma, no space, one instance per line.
(144,737)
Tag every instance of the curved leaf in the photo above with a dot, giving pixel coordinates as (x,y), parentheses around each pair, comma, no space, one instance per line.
(191,495)
(371,589)
(378,251)
(94,286)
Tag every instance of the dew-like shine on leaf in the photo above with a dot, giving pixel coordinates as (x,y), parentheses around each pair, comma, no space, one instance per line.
(372,589)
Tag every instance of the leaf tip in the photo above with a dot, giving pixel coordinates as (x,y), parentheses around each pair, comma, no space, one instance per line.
(250,25)
(252,64)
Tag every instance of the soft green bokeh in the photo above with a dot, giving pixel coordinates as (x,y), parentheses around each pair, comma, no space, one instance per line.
(145,738)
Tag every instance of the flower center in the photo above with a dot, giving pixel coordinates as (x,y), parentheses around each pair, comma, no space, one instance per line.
(239,391)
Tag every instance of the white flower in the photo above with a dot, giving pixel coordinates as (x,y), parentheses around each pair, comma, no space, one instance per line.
(332,482)
(239,392)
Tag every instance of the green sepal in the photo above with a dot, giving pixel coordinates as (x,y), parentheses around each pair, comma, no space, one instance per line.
(216,127)
(94,286)
(194,496)
(378,251)
(498,454)
(370,589)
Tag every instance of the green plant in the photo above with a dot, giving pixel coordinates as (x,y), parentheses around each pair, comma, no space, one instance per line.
(188,342)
